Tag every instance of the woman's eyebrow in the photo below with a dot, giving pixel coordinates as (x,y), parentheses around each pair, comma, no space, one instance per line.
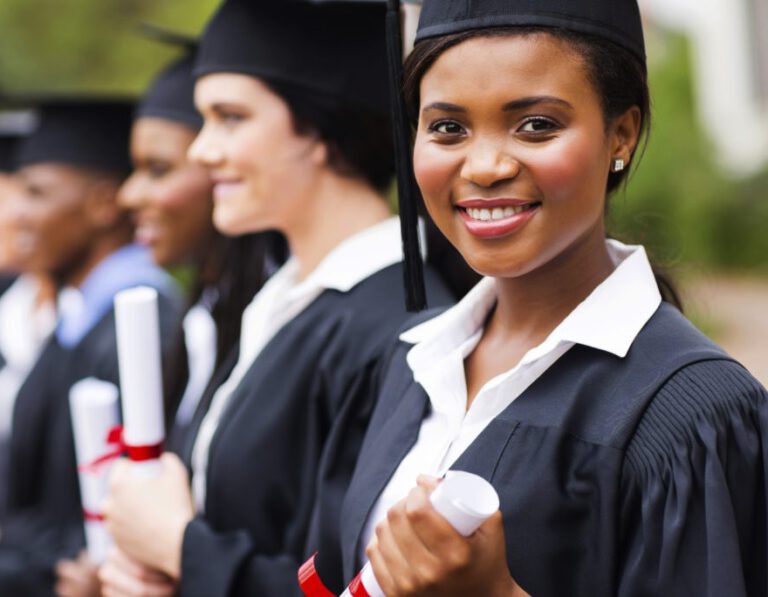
(528,102)
(514,105)
(444,107)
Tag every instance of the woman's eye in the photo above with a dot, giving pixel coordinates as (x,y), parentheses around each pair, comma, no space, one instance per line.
(446,127)
(230,118)
(538,125)
(158,170)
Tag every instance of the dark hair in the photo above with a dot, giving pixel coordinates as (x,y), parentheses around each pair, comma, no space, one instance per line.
(234,271)
(359,139)
(619,77)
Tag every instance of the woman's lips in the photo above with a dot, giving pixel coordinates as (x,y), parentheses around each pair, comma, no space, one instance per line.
(224,188)
(492,218)
(146,234)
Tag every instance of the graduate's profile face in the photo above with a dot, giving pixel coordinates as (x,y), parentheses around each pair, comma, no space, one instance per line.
(51,217)
(512,153)
(263,171)
(169,196)
(9,259)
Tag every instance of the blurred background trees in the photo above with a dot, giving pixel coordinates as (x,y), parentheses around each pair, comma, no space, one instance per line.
(75,45)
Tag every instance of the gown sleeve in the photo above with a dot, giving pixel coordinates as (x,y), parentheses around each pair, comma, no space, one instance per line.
(693,507)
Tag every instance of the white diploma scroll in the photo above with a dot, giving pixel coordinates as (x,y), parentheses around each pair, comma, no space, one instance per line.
(94,409)
(141,384)
(463,499)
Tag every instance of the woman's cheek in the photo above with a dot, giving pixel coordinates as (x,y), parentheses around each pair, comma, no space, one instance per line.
(186,192)
(562,169)
(435,171)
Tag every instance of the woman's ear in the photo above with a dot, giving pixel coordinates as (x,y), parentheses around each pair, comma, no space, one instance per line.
(319,153)
(625,135)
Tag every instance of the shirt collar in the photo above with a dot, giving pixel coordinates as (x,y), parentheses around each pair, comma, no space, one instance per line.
(609,319)
(80,309)
(24,323)
(358,257)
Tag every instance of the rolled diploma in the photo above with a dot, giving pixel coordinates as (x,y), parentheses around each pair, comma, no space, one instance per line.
(141,384)
(464,499)
(94,410)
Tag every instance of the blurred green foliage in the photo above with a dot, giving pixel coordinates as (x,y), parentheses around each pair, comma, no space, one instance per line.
(60,46)
(678,202)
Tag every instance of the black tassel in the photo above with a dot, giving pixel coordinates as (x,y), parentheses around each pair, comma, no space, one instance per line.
(413,266)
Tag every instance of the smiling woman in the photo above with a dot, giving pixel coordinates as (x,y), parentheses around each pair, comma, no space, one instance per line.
(628,451)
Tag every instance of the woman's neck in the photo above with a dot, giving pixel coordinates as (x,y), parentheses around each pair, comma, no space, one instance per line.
(100,249)
(338,209)
(531,306)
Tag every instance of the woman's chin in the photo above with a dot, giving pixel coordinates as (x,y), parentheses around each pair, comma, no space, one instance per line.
(234,225)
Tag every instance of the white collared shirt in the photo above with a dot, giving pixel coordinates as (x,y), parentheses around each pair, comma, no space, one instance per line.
(609,319)
(200,341)
(24,327)
(279,301)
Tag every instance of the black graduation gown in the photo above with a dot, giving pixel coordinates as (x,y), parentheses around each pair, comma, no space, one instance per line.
(44,519)
(312,378)
(642,476)
(6,281)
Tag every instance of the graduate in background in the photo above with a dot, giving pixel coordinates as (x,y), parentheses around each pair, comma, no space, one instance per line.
(171,199)
(629,452)
(297,138)
(14,124)
(171,202)
(69,171)
(27,313)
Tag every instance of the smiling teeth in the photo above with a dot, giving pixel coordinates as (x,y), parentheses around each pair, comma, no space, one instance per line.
(497,213)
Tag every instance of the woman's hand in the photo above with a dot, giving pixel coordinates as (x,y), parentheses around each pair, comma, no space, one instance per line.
(77,578)
(147,516)
(123,577)
(417,552)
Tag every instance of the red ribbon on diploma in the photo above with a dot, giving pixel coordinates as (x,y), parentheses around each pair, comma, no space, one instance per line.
(115,440)
(92,516)
(309,580)
(357,588)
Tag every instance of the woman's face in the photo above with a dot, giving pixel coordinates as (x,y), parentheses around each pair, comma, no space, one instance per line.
(52,218)
(263,171)
(511,153)
(169,196)
(9,258)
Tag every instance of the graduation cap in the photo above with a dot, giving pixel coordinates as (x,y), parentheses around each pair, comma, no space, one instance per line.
(171,94)
(333,48)
(14,125)
(617,21)
(91,132)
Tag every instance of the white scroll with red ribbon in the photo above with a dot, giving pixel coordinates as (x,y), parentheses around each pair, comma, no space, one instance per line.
(94,409)
(464,499)
(141,383)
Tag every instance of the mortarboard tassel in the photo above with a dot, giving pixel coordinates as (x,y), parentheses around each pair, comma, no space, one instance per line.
(407,191)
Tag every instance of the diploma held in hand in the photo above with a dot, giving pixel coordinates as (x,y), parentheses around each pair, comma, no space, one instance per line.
(94,409)
(141,384)
(465,500)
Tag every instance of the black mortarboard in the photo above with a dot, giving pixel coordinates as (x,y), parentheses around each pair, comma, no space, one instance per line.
(334,48)
(615,20)
(7,151)
(171,94)
(14,125)
(88,132)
